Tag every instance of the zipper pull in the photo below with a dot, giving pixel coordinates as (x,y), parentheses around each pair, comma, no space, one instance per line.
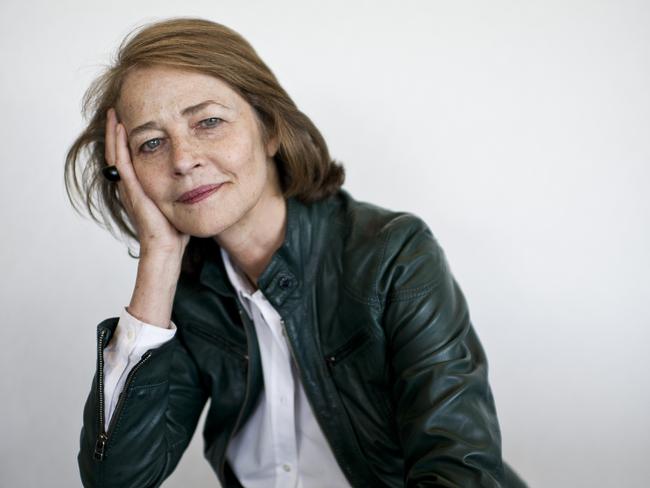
(100,446)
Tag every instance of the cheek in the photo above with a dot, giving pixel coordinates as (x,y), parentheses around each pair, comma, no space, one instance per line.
(150,184)
(243,157)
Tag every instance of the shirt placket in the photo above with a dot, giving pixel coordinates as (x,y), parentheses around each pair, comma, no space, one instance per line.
(279,394)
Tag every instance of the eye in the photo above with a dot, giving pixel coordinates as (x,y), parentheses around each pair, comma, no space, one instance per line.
(150,145)
(210,122)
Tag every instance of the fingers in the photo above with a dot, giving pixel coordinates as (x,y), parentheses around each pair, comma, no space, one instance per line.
(109,140)
(117,154)
(110,144)
(124,164)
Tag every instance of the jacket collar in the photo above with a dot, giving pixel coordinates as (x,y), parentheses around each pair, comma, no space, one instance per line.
(283,278)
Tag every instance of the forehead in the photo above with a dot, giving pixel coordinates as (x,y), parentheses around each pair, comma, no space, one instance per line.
(151,92)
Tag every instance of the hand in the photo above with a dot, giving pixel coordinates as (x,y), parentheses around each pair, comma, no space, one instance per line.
(155,233)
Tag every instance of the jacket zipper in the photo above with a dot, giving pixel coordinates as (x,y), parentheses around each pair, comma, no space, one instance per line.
(336,453)
(342,352)
(246,395)
(104,436)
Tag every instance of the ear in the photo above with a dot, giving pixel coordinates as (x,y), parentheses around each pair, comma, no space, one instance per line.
(272,146)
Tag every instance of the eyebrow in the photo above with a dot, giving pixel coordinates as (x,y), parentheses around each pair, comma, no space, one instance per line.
(186,112)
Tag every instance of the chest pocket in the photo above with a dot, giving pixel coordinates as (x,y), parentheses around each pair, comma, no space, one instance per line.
(195,331)
(359,370)
(358,340)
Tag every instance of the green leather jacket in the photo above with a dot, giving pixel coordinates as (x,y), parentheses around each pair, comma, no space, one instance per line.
(378,329)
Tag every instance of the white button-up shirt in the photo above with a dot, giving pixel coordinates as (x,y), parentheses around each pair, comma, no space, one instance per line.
(281,445)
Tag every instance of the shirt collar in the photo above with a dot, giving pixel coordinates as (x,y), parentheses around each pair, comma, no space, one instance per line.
(238,280)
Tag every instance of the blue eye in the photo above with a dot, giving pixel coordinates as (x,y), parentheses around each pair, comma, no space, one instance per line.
(150,145)
(211,122)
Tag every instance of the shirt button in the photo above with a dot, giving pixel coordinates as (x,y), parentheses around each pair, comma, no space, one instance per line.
(286,467)
(129,335)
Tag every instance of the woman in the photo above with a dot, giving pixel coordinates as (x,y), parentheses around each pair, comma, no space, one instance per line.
(329,334)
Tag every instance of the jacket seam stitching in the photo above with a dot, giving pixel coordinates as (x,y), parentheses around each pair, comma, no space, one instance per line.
(168,447)
(216,340)
(172,446)
(371,300)
(380,262)
(410,293)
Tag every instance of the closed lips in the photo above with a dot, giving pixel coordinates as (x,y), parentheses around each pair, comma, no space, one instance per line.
(198,192)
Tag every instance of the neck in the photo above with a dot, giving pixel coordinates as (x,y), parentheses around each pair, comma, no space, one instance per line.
(251,242)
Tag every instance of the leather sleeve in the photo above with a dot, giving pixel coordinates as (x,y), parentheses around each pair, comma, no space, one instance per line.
(130,340)
(445,412)
(153,426)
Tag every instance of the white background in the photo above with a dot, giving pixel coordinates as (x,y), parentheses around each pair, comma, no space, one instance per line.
(518,130)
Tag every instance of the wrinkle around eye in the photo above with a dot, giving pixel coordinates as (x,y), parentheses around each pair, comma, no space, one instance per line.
(144,148)
(218,122)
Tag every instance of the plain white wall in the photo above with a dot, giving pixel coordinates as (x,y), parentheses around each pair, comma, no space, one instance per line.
(518,130)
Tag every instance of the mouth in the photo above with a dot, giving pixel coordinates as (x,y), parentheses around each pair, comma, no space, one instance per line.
(199,193)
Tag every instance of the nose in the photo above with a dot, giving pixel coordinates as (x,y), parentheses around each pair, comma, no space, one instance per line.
(184,157)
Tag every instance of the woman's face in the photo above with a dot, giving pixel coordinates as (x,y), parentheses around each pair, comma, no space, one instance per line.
(190,131)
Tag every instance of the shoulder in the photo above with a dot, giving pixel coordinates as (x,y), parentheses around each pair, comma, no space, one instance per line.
(384,253)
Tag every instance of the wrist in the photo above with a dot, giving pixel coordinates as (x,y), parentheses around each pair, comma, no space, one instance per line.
(142,320)
(169,254)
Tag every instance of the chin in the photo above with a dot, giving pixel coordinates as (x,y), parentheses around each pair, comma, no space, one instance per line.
(202,235)
(201,229)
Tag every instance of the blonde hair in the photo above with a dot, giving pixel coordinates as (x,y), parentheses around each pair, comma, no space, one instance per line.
(304,165)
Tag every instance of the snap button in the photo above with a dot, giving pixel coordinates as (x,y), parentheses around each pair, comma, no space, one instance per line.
(286,467)
(285,282)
